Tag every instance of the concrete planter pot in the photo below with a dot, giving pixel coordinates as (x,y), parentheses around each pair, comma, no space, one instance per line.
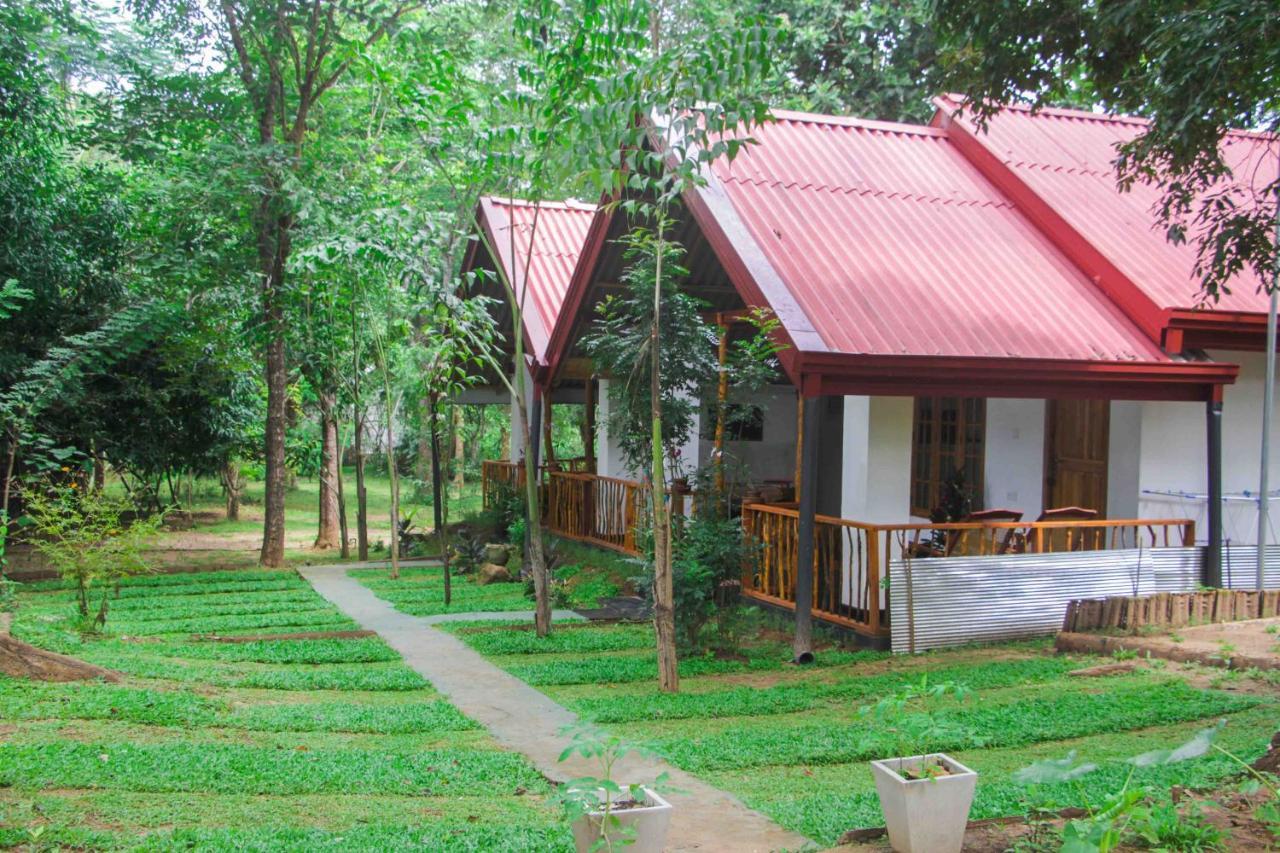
(642,829)
(924,815)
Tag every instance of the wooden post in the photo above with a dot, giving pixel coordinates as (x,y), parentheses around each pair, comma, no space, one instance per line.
(803,642)
(800,401)
(549,450)
(589,439)
(722,396)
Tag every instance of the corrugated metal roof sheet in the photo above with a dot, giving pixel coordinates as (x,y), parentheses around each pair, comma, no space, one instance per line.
(894,244)
(558,238)
(1066,156)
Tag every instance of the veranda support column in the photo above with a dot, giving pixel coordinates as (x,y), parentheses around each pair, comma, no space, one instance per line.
(808,486)
(1213,432)
(589,433)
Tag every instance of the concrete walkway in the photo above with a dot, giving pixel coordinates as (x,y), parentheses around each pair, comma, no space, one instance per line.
(521,718)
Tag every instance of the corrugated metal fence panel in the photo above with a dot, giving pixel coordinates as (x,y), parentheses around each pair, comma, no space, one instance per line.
(960,600)
(1240,567)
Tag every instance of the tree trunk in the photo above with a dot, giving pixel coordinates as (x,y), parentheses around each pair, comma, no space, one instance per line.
(362,497)
(327,535)
(664,621)
(345,544)
(233,486)
(273,250)
(99,469)
(459,452)
(423,467)
(395,490)
(437,489)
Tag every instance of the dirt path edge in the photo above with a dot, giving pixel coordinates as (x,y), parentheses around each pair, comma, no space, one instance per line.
(1103,645)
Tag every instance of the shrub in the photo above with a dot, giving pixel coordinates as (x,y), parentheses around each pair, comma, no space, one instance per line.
(86,538)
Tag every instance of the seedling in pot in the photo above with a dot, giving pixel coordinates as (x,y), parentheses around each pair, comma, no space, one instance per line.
(605,813)
(910,722)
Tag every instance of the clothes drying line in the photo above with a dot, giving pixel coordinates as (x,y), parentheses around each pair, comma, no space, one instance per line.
(1238,520)
(1246,496)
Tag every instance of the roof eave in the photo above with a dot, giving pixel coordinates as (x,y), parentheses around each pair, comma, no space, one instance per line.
(909,375)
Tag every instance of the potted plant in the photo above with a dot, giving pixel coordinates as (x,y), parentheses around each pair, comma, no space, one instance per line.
(604,814)
(925,796)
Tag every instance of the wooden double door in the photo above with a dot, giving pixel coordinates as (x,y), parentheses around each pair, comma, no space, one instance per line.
(1076,452)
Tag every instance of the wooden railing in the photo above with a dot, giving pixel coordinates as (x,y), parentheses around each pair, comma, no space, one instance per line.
(851,557)
(600,510)
(499,481)
(981,539)
(590,508)
(847,566)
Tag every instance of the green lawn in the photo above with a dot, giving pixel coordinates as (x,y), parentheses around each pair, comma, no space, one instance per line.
(298,744)
(791,742)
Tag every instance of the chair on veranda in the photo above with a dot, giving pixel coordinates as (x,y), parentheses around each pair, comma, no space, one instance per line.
(954,537)
(1074,539)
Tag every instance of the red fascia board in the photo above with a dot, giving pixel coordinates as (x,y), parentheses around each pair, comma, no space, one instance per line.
(842,373)
(579,285)
(1122,290)
(1243,331)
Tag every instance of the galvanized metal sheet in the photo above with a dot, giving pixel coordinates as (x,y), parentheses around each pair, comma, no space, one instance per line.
(1240,567)
(958,600)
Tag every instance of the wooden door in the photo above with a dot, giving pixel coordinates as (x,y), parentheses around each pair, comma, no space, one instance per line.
(1076,438)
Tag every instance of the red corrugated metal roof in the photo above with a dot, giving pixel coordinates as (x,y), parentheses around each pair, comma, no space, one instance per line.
(894,244)
(1065,157)
(558,237)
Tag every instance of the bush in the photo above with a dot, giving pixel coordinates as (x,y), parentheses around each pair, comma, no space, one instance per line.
(710,550)
(84,537)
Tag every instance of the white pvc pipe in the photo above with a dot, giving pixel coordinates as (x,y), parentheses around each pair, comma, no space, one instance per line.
(1268,395)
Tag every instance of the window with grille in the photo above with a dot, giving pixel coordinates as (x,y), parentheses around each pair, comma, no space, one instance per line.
(948,435)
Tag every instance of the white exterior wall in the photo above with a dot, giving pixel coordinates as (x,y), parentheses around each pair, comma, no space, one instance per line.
(876,475)
(517,434)
(1013,471)
(1124,455)
(608,454)
(774,458)
(609,458)
(1174,455)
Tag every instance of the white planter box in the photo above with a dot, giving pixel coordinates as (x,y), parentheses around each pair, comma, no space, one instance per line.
(925,815)
(641,830)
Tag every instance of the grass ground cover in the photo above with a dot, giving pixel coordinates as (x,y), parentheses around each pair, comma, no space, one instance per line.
(419,591)
(792,743)
(289,744)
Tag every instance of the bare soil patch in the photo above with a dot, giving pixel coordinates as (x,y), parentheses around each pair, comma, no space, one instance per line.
(300,635)
(1234,645)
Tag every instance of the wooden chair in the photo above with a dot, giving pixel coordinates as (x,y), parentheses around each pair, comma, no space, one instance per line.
(1062,513)
(954,537)
(1006,541)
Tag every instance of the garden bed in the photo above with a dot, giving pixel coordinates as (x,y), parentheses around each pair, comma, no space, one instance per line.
(327,743)
(790,741)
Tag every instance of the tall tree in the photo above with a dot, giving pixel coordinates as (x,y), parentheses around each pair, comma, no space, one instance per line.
(287,55)
(1195,69)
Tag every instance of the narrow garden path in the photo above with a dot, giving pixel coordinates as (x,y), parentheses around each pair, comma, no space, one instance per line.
(521,718)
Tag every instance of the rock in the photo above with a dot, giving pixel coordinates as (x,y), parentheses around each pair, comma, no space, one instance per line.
(491,573)
(497,554)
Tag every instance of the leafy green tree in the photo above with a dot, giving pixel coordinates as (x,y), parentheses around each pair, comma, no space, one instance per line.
(1196,70)
(286,57)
